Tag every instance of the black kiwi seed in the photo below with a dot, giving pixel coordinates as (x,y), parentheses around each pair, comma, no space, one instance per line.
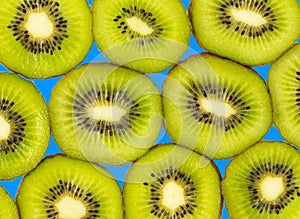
(68,189)
(147,17)
(274,207)
(156,188)
(17,124)
(110,98)
(37,45)
(209,91)
(260,6)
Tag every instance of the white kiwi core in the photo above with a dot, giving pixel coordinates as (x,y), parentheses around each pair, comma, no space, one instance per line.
(70,208)
(249,17)
(139,26)
(173,196)
(107,113)
(39,25)
(4,128)
(271,187)
(217,108)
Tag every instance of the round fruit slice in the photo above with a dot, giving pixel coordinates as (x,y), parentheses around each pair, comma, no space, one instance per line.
(148,36)
(215,106)
(105,113)
(284,85)
(251,32)
(8,208)
(62,187)
(44,38)
(263,182)
(172,182)
(24,126)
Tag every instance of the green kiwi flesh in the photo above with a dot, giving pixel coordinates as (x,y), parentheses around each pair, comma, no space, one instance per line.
(62,187)
(284,85)
(172,182)
(44,38)
(252,32)
(215,106)
(263,182)
(24,126)
(105,113)
(8,208)
(147,36)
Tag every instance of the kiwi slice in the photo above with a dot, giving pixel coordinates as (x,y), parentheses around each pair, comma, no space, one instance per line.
(171,182)
(284,85)
(8,208)
(251,32)
(148,36)
(105,113)
(44,38)
(215,106)
(24,126)
(263,182)
(62,187)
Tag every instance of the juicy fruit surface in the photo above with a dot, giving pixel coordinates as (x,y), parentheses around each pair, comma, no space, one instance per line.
(216,112)
(263,182)
(24,126)
(148,36)
(44,38)
(284,85)
(251,32)
(172,182)
(58,181)
(8,208)
(105,113)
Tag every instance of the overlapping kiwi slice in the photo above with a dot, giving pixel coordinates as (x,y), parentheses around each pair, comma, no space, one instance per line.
(263,182)
(8,208)
(215,106)
(105,113)
(148,36)
(251,32)
(44,38)
(24,126)
(171,182)
(62,187)
(284,85)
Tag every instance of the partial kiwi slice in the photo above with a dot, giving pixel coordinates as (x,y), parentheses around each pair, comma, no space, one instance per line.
(8,208)
(252,32)
(263,182)
(44,38)
(62,187)
(148,36)
(284,85)
(172,182)
(105,113)
(215,106)
(24,126)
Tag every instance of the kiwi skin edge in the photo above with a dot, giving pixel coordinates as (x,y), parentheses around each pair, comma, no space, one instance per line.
(178,145)
(208,54)
(190,15)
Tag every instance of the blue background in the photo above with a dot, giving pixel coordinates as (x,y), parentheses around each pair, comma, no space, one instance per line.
(45,87)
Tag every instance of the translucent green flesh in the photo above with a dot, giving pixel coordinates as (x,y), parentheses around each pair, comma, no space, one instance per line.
(203,185)
(235,186)
(8,207)
(90,181)
(252,106)
(79,141)
(227,41)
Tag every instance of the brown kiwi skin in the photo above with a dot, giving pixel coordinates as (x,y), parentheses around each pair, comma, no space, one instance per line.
(236,156)
(203,55)
(86,65)
(32,84)
(181,146)
(203,47)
